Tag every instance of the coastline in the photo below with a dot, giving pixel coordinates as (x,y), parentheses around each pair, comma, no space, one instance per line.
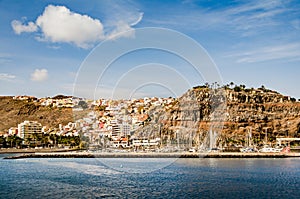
(152,155)
(44,150)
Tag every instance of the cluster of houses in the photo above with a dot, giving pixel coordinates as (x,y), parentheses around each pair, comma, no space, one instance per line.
(112,125)
(116,125)
(59,101)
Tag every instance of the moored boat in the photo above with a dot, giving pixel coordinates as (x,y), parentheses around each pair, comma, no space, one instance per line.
(268,149)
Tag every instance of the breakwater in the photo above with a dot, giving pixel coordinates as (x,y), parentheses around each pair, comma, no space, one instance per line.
(155,155)
(44,150)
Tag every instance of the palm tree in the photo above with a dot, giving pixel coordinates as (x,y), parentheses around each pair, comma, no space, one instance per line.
(28,140)
(45,140)
(18,141)
(206,84)
(52,137)
(10,140)
(36,138)
(2,142)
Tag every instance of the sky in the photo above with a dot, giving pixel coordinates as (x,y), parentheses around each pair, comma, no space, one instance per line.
(76,47)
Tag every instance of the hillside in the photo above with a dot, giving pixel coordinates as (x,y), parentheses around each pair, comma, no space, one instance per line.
(13,112)
(247,112)
(238,114)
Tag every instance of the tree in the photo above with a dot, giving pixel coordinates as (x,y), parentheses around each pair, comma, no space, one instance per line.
(36,138)
(242,86)
(140,109)
(2,142)
(18,141)
(13,141)
(83,104)
(28,140)
(53,138)
(237,89)
(100,108)
(293,99)
(10,141)
(206,84)
(45,140)
(226,86)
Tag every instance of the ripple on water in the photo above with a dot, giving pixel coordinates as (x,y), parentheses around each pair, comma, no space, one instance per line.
(185,178)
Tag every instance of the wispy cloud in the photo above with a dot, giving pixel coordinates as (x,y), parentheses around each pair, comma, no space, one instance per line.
(296,24)
(244,18)
(290,51)
(58,24)
(254,7)
(39,75)
(55,47)
(19,27)
(5,57)
(254,17)
(6,77)
(138,20)
(121,18)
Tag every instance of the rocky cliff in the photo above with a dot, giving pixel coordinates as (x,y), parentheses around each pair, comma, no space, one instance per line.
(235,115)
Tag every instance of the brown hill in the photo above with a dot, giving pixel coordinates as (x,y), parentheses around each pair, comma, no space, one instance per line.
(13,112)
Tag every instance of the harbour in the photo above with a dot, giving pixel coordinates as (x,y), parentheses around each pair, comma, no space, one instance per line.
(182,178)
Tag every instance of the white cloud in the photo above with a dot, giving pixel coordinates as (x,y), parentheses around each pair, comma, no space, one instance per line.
(39,75)
(58,24)
(19,27)
(7,77)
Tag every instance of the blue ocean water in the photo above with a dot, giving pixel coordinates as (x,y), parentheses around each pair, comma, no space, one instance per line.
(184,178)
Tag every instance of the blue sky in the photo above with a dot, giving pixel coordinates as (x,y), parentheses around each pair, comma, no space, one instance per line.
(43,44)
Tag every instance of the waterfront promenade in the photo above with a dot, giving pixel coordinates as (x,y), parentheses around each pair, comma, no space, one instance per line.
(153,155)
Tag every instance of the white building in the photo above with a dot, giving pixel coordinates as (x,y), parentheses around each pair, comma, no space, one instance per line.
(125,129)
(29,131)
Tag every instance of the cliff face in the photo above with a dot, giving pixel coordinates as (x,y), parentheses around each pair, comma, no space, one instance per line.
(235,116)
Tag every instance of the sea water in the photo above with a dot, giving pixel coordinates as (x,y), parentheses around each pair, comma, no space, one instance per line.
(183,178)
